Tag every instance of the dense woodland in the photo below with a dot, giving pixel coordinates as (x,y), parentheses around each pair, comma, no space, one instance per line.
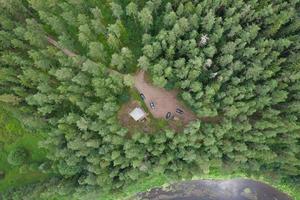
(236,63)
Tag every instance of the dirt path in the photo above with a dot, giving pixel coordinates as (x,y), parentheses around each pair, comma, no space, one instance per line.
(165,101)
(55,43)
(70,53)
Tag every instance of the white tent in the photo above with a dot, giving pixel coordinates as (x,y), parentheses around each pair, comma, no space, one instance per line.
(137,114)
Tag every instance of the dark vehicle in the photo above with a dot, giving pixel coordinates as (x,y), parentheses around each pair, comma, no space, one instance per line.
(142,96)
(168,115)
(179,111)
(152,105)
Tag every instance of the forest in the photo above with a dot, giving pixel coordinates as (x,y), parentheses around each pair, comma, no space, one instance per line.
(67,68)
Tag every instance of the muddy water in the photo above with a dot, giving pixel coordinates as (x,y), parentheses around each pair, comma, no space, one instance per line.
(236,189)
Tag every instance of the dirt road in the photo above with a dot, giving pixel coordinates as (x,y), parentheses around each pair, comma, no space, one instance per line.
(165,101)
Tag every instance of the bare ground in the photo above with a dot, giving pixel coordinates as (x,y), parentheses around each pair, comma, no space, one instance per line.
(165,101)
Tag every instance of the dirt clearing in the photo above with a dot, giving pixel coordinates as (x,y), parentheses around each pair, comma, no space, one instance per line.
(164,101)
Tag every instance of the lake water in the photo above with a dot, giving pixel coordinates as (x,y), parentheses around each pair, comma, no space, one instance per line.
(235,189)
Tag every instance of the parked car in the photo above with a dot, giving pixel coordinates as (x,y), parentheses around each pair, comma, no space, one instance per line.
(168,115)
(152,105)
(179,111)
(142,96)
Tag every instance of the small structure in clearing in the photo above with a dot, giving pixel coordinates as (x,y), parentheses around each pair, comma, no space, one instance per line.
(148,124)
(130,123)
(138,114)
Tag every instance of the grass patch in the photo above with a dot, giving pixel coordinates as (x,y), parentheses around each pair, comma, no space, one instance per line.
(12,135)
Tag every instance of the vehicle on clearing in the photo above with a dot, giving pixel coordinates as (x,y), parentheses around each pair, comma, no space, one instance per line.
(179,111)
(142,96)
(168,115)
(152,105)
